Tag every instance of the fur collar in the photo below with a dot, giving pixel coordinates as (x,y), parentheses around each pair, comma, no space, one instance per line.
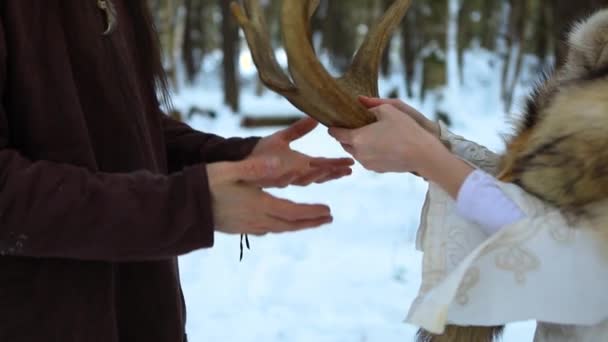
(560,150)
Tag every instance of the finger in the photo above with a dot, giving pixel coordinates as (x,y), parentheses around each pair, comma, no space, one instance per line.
(253,169)
(371,102)
(299,129)
(349,149)
(290,211)
(388,112)
(280,182)
(335,175)
(344,136)
(311,177)
(385,111)
(332,162)
(284,181)
(278,225)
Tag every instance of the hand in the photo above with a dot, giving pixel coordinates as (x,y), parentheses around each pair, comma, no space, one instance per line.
(395,143)
(242,208)
(428,125)
(298,168)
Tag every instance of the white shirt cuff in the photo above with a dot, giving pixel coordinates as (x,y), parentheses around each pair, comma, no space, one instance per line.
(480,200)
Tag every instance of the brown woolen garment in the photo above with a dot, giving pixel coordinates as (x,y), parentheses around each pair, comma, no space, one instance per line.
(99,190)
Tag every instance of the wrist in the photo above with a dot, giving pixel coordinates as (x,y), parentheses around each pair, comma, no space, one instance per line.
(433,128)
(447,171)
(434,158)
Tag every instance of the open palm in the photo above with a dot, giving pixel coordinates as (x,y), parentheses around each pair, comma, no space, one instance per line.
(297,168)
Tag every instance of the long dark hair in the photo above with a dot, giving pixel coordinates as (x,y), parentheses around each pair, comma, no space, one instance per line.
(149,50)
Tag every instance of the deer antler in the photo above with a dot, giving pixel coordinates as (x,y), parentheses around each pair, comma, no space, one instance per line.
(332,101)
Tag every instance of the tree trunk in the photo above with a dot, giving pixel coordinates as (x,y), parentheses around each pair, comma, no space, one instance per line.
(489,24)
(230,38)
(543,25)
(386,57)
(167,17)
(338,34)
(194,37)
(516,37)
(409,49)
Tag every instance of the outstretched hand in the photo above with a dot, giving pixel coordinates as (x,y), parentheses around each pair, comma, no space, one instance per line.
(297,168)
(241,207)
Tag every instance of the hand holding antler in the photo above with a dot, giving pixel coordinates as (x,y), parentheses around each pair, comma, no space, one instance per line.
(394,143)
(429,125)
(398,142)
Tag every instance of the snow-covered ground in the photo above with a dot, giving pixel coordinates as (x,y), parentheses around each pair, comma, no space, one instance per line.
(351,281)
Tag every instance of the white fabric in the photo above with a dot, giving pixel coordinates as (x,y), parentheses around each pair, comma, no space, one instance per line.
(538,268)
(482,201)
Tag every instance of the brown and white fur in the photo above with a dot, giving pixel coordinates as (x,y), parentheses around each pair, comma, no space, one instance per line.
(560,150)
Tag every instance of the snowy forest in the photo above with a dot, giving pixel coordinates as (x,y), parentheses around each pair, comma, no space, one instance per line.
(193,30)
(468,62)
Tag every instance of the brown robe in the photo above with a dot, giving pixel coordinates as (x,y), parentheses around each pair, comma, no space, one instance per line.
(99,190)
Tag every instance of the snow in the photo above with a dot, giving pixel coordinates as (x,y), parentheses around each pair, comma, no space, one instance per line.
(354,279)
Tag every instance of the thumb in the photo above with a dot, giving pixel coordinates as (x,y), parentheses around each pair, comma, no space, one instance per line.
(371,102)
(299,129)
(383,112)
(254,169)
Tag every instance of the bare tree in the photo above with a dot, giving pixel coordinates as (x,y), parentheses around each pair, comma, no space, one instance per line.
(230,39)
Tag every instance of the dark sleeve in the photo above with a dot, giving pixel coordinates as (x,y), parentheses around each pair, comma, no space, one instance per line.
(54,210)
(186,146)
(58,210)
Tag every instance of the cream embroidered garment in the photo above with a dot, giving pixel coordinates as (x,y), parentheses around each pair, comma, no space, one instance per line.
(539,268)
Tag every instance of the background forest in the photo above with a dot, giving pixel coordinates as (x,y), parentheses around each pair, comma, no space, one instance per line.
(193,30)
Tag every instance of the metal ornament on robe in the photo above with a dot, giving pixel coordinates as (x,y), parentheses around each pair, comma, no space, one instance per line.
(110,13)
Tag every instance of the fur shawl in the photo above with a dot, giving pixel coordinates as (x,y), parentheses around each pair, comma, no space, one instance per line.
(560,151)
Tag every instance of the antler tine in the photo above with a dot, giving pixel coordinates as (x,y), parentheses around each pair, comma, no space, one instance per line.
(312,7)
(311,88)
(362,75)
(252,21)
(334,105)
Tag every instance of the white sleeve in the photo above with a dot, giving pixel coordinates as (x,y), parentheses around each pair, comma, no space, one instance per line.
(477,155)
(482,201)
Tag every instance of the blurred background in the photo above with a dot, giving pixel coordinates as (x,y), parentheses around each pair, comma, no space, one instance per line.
(470,63)
(194,32)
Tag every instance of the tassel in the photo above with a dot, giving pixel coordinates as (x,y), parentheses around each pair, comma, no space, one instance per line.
(246,243)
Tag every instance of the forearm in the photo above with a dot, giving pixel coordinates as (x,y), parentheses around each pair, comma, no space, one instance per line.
(59,210)
(187,146)
(478,197)
(445,169)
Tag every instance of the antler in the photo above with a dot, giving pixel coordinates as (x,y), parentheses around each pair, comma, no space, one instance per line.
(332,101)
